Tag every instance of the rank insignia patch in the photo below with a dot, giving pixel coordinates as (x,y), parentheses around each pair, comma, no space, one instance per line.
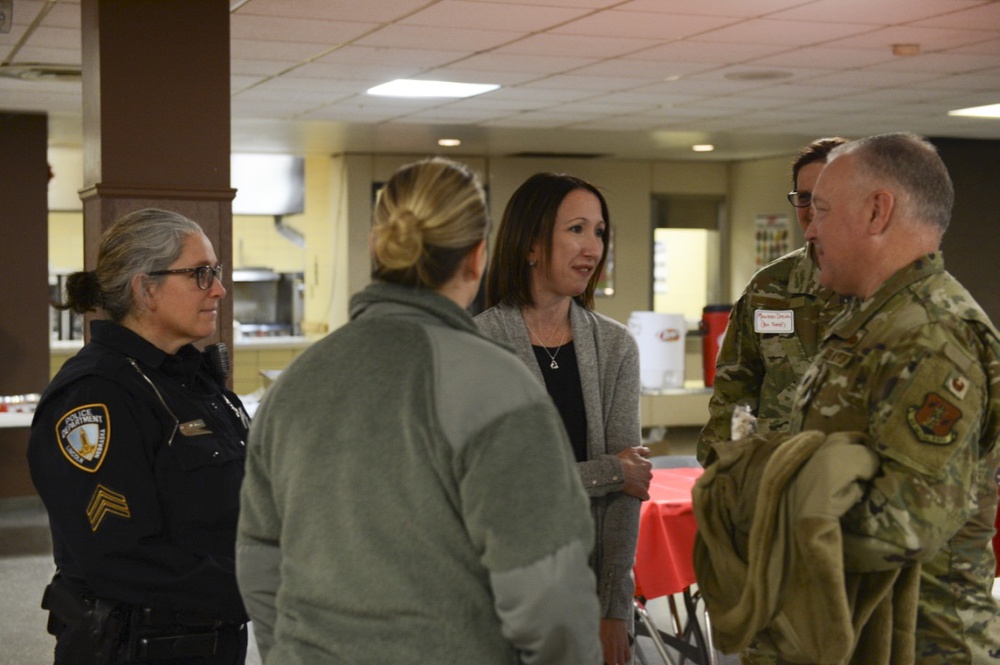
(106,502)
(933,421)
(84,434)
(957,385)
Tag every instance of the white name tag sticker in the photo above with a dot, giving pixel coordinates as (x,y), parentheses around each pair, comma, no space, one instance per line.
(773,321)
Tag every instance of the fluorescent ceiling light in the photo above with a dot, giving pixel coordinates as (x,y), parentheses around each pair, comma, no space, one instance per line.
(703,147)
(988,111)
(449,143)
(418,88)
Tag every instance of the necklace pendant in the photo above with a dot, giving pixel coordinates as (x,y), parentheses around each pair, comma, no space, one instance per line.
(554,364)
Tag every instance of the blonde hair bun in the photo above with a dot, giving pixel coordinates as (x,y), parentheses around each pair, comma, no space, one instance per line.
(426,218)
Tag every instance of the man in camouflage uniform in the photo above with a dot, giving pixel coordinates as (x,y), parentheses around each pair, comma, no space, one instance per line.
(915,364)
(776,325)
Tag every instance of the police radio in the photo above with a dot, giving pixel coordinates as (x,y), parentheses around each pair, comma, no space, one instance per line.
(218,360)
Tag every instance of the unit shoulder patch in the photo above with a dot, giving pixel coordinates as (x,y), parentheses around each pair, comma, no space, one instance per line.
(934,420)
(84,435)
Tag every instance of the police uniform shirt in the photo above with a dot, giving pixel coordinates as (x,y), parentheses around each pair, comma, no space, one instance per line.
(138,456)
(917,368)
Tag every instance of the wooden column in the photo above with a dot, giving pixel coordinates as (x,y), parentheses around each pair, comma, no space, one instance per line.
(156,120)
(24,291)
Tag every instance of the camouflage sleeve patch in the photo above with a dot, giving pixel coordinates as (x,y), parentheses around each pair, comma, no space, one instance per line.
(924,424)
(83,435)
(106,502)
(934,420)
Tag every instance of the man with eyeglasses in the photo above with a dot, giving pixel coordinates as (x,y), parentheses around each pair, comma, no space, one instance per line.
(759,368)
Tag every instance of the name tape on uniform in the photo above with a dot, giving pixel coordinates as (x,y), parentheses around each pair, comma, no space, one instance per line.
(774,321)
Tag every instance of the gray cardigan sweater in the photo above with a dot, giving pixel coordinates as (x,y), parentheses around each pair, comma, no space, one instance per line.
(401,504)
(608,358)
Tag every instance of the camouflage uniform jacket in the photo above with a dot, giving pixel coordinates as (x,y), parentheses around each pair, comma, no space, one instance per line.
(917,367)
(762,369)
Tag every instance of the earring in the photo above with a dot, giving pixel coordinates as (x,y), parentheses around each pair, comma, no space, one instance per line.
(531,264)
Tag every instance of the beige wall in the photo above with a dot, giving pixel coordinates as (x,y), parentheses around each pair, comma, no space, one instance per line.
(755,187)
(338,212)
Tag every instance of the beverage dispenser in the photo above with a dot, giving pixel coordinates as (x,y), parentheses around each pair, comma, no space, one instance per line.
(714,319)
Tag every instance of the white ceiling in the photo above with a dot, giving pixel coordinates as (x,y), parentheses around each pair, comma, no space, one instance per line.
(623,78)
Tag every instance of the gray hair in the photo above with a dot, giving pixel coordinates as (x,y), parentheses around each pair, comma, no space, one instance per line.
(912,164)
(141,242)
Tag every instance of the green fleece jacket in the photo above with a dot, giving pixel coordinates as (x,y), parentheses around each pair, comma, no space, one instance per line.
(403,502)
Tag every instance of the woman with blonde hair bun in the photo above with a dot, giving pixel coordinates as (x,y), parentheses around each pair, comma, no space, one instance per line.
(401,502)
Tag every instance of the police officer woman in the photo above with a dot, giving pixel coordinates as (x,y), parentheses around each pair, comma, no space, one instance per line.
(137,451)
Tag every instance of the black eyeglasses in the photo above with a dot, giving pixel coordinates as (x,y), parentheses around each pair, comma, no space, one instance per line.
(800,199)
(203,275)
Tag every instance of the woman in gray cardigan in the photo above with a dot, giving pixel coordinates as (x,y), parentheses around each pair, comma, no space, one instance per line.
(550,252)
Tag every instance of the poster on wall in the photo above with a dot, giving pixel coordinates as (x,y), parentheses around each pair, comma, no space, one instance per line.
(772,236)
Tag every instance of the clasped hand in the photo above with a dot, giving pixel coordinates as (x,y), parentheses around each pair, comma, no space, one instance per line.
(637,471)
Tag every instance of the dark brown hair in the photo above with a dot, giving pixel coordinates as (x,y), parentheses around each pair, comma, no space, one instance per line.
(530,218)
(817,151)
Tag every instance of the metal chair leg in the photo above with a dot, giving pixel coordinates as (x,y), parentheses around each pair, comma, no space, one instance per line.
(654,633)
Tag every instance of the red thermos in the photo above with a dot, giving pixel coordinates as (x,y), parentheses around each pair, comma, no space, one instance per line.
(714,319)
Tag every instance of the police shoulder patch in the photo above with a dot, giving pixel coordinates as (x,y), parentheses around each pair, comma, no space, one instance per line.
(934,420)
(84,434)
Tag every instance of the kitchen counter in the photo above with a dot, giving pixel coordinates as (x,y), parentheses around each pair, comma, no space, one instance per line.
(246,342)
(273,343)
(15,419)
(250,355)
(675,407)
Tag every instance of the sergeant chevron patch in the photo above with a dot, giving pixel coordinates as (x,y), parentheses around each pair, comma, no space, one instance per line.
(84,434)
(106,502)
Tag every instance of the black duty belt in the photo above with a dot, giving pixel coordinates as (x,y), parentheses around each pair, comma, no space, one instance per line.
(163,634)
(97,626)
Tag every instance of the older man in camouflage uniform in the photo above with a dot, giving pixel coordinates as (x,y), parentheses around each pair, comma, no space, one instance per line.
(759,366)
(914,363)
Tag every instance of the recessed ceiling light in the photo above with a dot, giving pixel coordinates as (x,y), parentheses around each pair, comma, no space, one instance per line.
(988,111)
(419,88)
(449,143)
(703,147)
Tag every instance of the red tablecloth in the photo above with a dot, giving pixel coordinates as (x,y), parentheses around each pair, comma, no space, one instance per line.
(663,556)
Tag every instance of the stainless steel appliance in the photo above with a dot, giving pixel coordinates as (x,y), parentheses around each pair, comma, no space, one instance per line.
(64,324)
(267,303)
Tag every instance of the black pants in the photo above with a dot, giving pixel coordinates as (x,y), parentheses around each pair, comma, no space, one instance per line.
(231,649)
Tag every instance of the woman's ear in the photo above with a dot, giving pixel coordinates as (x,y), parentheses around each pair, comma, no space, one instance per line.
(142,292)
(476,261)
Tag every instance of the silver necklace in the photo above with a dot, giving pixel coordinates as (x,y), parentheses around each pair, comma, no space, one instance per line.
(552,356)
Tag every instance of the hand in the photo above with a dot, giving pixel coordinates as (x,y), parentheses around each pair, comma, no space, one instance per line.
(637,471)
(614,642)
